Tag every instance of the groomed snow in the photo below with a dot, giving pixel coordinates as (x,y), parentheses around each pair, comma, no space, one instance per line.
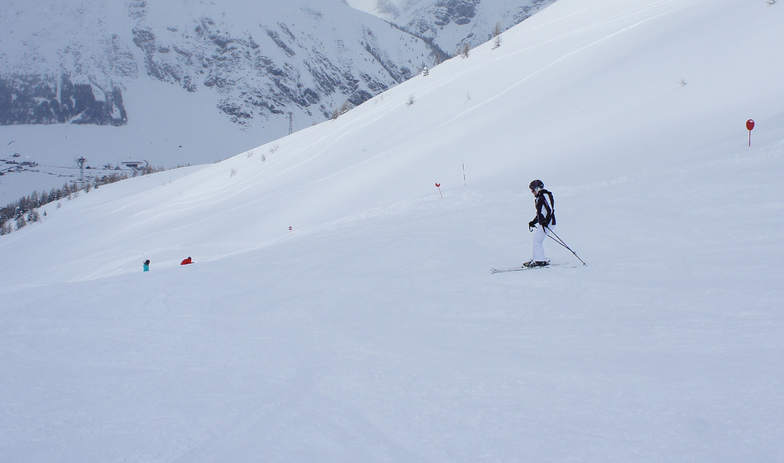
(374,331)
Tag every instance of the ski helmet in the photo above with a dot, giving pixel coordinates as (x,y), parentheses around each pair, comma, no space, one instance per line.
(536,185)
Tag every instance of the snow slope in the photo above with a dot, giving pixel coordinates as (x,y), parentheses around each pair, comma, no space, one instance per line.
(373,331)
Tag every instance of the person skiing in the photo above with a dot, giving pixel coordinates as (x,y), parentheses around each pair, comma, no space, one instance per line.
(146,265)
(545,218)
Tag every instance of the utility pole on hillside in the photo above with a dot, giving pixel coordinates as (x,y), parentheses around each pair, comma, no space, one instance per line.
(81,162)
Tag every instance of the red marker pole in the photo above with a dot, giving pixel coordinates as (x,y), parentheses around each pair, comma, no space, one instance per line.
(438,185)
(750,127)
(291,230)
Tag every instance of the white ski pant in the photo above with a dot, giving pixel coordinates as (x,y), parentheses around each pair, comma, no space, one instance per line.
(539,237)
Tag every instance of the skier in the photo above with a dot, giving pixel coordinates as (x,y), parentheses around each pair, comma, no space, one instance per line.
(545,218)
(146,265)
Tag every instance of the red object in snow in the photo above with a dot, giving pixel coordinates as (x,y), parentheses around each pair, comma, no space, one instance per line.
(750,125)
(438,185)
(186,261)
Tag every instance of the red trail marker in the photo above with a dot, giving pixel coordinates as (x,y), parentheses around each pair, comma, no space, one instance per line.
(750,127)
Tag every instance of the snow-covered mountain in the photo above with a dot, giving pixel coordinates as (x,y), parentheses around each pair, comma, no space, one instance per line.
(254,71)
(272,58)
(341,310)
(453,24)
(62,58)
(145,66)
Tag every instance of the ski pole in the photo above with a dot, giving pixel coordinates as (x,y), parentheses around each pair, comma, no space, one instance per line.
(562,243)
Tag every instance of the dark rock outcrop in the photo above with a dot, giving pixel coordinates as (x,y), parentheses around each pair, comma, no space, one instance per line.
(54,100)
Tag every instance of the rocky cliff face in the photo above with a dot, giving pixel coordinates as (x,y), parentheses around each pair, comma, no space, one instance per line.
(459,11)
(42,99)
(61,63)
(276,67)
(264,60)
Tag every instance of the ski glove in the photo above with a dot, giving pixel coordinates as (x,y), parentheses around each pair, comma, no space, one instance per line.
(532,224)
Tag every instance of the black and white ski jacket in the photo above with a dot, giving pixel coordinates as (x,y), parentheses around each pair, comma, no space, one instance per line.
(545,208)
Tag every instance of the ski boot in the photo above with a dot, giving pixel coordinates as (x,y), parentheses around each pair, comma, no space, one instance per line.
(536,263)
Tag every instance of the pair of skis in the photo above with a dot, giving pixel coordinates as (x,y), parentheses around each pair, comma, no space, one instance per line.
(518,269)
(550,234)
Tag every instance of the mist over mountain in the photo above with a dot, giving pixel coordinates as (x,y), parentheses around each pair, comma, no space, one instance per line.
(453,24)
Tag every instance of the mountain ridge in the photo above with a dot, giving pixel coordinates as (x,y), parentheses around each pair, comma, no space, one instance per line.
(207,49)
(146,66)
